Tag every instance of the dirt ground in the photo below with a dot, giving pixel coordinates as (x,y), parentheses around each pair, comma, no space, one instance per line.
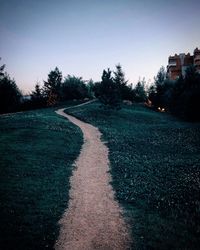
(93,219)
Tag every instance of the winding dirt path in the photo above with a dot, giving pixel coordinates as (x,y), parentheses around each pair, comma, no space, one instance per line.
(93,219)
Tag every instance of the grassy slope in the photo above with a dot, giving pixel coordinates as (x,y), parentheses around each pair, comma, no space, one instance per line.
(37,151)
(155,165)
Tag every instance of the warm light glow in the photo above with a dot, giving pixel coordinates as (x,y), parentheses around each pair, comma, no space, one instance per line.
(161,109)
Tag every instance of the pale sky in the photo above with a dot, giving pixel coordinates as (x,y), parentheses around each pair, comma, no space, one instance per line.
(83,37)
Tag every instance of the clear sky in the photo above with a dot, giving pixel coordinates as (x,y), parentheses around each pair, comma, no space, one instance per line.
(83,37)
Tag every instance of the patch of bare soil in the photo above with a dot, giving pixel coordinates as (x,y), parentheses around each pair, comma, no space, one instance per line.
(93,219)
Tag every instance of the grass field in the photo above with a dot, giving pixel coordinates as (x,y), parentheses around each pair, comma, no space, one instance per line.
(155,166)
(37,151)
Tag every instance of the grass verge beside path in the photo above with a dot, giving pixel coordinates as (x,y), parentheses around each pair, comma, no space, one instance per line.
(37,151)
(155,166)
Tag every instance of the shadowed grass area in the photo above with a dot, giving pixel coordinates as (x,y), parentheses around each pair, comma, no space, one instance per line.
(37,149)
(155,166)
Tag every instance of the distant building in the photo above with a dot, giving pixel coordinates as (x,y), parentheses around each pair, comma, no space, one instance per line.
(177,64)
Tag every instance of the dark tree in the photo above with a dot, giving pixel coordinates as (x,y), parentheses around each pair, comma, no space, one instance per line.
(10,96)
(74,88)
(191,78)
(186,95)
(160,77)
(119,79)
(139,92)
(159,87)
(126,91)
(91,88)
(167,92)
(97,86)
(2,70)
(37,97)
(52,86)
(180,97)
(151,93)
(109,91)
(37,93)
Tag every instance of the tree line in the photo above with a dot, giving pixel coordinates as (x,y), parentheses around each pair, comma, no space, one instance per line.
(10,95)
(114,89)
(56,89)
(179,97)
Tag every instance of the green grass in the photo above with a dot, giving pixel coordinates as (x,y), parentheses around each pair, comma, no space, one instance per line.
(37,149)
(155,167)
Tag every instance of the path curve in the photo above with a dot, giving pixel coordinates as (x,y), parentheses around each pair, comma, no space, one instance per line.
(93,219)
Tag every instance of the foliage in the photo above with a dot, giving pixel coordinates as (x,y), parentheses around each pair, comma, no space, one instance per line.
(187,92)
(10,95)
(109,91)
(180,97)
(37,93)
(159,191)
(2,70)
(74,88)
(139,92)
(151,93)
(97,89)
(34,182)
(52,86)
(91,86)
(119,79)
(112,90)
(160,78)
(159,87)
(70,88)
(38,97)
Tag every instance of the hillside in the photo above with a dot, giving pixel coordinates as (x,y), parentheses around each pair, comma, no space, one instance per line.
(37,149)
(155,166)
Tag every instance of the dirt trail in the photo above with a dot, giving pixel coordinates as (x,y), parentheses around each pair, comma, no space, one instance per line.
(93,219)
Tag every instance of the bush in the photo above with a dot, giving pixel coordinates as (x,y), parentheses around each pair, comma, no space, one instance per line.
(74,88)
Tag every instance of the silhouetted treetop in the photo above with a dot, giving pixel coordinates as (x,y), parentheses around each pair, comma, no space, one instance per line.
(109,91)
(54,81)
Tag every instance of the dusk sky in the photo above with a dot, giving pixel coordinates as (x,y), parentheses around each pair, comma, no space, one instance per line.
(83,37)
